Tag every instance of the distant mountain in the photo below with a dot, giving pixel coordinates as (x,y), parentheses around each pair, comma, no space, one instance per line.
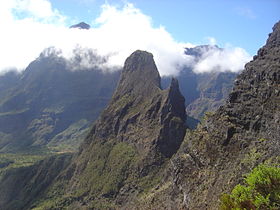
(48,104)
(200,50)
(81,25)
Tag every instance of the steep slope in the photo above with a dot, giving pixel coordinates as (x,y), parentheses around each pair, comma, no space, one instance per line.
(51,104)
(140,129)
(128,146)
(239,136)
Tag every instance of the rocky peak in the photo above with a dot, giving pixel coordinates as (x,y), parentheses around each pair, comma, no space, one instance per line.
(273,42)
(258,86)
(139,76)
(274,37)
(176,99)
(81,25)
(139,101)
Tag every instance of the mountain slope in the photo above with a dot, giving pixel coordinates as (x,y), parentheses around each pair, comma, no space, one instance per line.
(231,142)
(49,102)
(128,146)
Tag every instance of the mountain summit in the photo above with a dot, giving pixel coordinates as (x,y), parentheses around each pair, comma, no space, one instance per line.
(81,25)
(139,76)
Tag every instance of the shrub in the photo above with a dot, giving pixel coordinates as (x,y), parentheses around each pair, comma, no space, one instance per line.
(261,191)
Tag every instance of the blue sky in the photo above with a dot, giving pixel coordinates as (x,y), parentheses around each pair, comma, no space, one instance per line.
(243,23)
(162,27)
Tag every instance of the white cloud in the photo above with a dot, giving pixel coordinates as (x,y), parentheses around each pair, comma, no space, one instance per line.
(227,59)
(211,40)
(117,32)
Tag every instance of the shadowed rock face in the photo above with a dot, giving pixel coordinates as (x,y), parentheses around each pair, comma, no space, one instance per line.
(140,76)
(141,128)
(141,113)
(236,138)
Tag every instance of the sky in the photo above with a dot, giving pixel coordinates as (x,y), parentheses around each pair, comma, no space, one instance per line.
(163,27)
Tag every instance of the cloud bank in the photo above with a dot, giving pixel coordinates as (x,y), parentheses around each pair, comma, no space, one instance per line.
(30,26)
(221,60)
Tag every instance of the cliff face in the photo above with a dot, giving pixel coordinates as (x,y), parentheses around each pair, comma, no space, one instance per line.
(142,127)
(125,151)
(228,144)
(140,112)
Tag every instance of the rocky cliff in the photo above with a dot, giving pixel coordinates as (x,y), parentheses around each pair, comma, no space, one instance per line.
(229,143)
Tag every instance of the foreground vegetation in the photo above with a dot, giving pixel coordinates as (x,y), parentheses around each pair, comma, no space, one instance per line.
(260,191)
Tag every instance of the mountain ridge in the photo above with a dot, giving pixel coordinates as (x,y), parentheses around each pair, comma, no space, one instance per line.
(230,142)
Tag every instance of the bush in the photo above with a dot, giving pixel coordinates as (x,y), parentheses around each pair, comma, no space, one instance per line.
(261,191)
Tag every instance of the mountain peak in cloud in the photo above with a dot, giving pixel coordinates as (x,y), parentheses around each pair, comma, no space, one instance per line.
(199,50)
(81,25)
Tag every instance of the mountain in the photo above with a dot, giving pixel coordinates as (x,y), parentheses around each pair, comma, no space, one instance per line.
(81,25)
(50,104)
(239,136)
(137,155)
(39,103)
(138,132)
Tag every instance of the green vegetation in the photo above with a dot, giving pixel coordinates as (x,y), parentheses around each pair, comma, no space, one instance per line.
(69,139)
(108,169)
(9,161)
(261,191)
